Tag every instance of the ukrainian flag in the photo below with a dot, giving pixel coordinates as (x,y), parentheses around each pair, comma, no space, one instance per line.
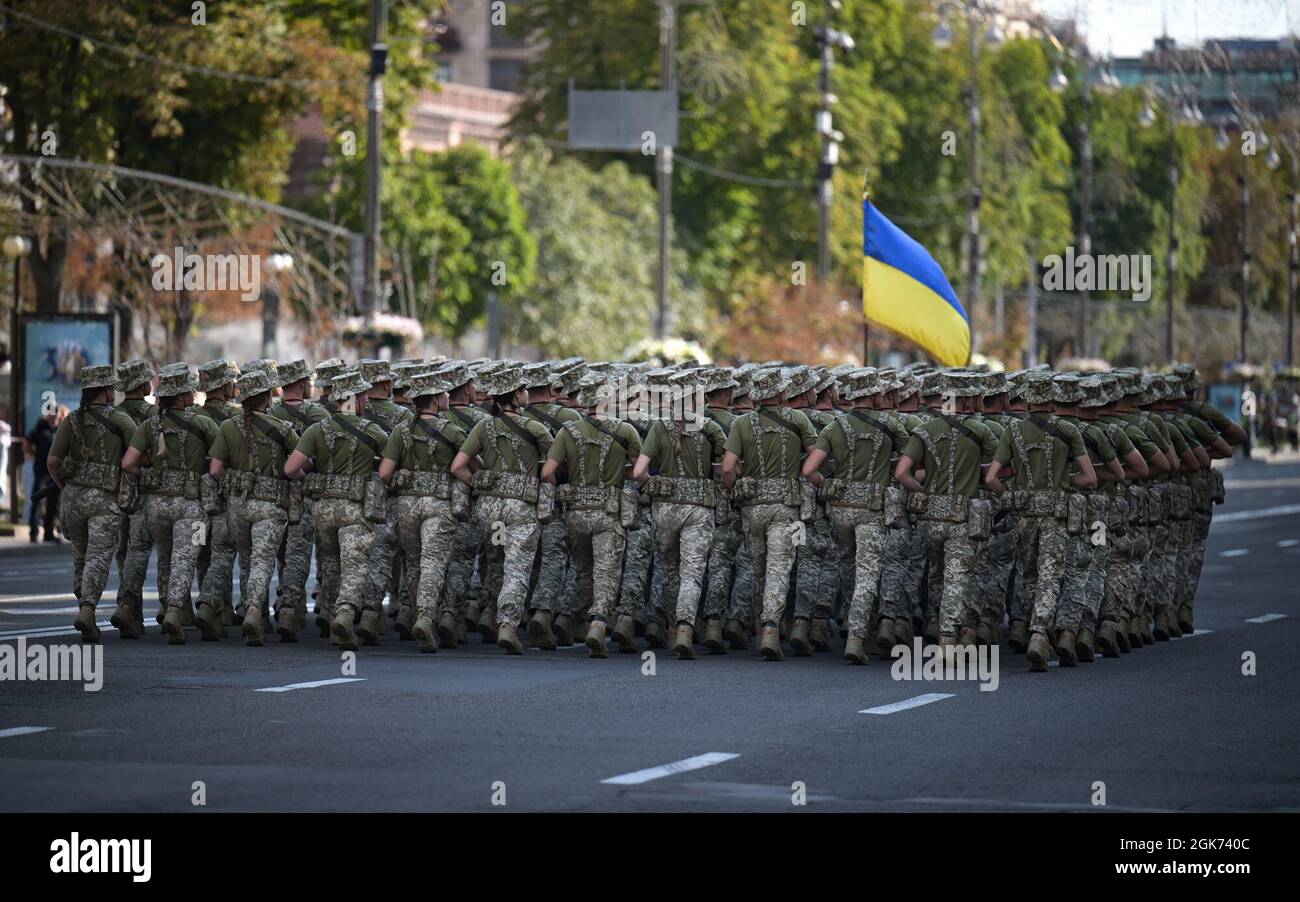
(904,290)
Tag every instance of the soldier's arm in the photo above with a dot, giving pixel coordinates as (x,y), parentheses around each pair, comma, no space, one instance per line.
(991,478)
(1086,478)
(1136,465)
(641,469)
(730,468)
(903,473)
(1114,471)
(297,465)
(132,460)
(460,468)
(812,466)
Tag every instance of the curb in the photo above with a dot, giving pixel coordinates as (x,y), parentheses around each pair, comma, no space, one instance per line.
(12,550)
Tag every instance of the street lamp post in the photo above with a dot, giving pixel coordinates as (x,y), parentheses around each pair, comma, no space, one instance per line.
(828,39)
(15,247)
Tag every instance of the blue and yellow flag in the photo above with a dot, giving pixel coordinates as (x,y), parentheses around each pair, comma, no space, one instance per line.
(904,290)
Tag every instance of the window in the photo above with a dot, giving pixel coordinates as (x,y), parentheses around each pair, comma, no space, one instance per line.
(503,74)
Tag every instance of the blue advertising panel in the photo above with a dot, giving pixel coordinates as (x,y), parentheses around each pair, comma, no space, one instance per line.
(55,348)
(1227,397)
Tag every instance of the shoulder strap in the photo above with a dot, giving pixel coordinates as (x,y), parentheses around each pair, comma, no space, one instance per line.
(260,424)
(189,427)
(434,433)
(466,421)
(522,433)
(961,427)
(864,420)
(544,417)
(357,434)
(108,424)
(296,413)
(614,435)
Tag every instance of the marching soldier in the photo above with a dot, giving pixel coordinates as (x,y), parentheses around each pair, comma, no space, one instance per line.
(636,602)
(135,381)
(343,453)
(731,580)
(248,459)
(169,452)
(720,385)
(764,453)
(684,494)
(816,560)
(85,461)
(468,542)
(1038,449)
(417,464)
(552,546)
(217,382)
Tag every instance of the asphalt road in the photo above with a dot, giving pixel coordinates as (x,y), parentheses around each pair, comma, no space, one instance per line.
(1170,728)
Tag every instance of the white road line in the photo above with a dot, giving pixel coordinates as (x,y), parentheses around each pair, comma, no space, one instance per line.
(312,685)
(667,770)
(1235,552)
(908,703)
(1279,511)
(1288,543)
(1197,633)
(42,611)
(22,731)
(1266,618)
(47,631)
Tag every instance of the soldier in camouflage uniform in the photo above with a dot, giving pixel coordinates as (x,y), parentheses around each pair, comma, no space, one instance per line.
(764,453)
(899,586)
(345,450)
(469,539)
(248,459)
(85,461)
(296,408)
(730,591)
(509,449)
(217,382)
(417,462)
(598,452)
(135,381)
(859,445)
(996,563)
(169,452)
(552,546)
(1039,449)
(684,452)
(951,447)
(720,385)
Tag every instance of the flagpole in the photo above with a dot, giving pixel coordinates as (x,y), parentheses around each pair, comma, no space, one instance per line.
(866,322)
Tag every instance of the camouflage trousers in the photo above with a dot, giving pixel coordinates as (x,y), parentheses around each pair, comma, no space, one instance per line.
(257,528)
(1158,578)
(817,569)
(344,538)
(597,542)
(1040,562)
(949,556)
(91,523)
(299,539)
(1116,583)
(216,564)
(721,572)
(683,535)
(512,532)
(179,529)
(1189,571)
(133,550)
(771,532)
(900,582)
(379,568)
(994,572)
(638,559)
(1083,582)
(1140,553)
(862,538)
(427,530)
(465,544)
(549,567)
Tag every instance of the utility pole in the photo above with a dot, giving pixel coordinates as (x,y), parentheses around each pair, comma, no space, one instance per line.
(1031,314)
(1085,199)
(1173,233)
(374,153)
(1294,254)
(973,215)
(664,160)
(828,39)
(1244,313)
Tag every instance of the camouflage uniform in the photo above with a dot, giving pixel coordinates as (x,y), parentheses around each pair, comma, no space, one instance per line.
(470,538)
(89,444)
(385,414)
(134,545)
(219,551)
(817,560)
(552,545)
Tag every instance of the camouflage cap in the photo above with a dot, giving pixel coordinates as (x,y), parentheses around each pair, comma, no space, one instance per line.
(767,383)
(348,384)
(907,385)
(800,379)
(403,370)
(843,368)
(966,384)
(500,381)
(132,374)
(995,382)
(1036,387)
(593,389)
(103,376)
(176,379)
(1175,388)
(293,371)
(375,371)
(567,381)
(1153,389)
(217,373)
(1065,388)
(328,369)
(254,382)
(860,383)
(537,375)
(1094,391)
(932,383)
(455,374)
(261,363)
(716,378)
(1187,372)
(425,383)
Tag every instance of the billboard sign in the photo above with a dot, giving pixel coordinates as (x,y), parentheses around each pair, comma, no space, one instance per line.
(54,349)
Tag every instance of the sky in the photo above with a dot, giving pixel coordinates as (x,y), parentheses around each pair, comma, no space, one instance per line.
(1127,27)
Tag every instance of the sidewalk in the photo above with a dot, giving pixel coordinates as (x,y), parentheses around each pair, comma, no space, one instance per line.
(18,545)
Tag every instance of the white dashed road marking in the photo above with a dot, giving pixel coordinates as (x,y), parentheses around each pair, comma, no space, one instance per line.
(1234,552)
(47,631)
(22,731)
(42,611)
(1266,618)
(1288,543)
(312,685)
(908,703)
(1198,633)
(667,770)
(1280,511)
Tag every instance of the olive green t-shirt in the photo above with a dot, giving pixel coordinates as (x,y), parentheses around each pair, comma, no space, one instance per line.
(1100,450)
(970,455)
(179,440)
(1210,414)
(691,454)
(220,411)
(101,444)
(722,416)
(767,464)
(886,430)
(502,457)
(1200,428)
(300,414)
(565,450)
(351,457)
(138,409)
(412,447)
(1067,444)
(232,450)
(385,413)
(465,416)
